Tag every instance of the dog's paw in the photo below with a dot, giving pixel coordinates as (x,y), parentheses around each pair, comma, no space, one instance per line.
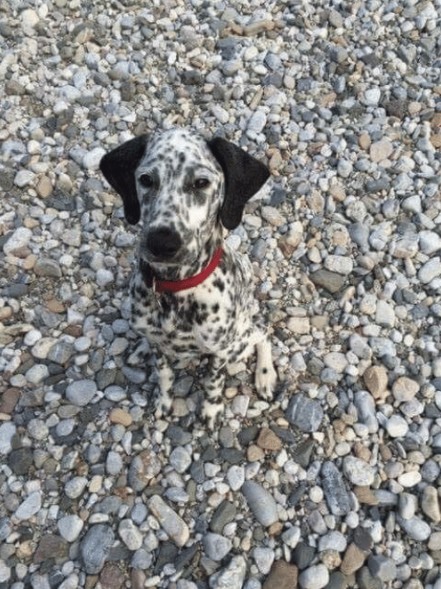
(162,404)
(211,413)
(139,354)
(265,381)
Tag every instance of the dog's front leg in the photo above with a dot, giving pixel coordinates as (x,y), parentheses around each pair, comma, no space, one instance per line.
(162,399)
(266,376)
(214,387)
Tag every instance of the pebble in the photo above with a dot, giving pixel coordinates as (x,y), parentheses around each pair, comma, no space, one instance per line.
(18,240)
(336,494)
(304,413)
(315,577)
(376,380)
(81,392)
(430,270)
(404,389)
(95,547)
(416,528)
(430,504)
(143,468)
(70,527)
(29,507)
(282,576)
(216,546)
(130,534)
(7,432)
(170,521)
(261,503)
(397,426)
(230,577)
(358,471)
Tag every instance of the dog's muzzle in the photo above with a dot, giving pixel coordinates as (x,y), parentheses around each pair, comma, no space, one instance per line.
(163,243)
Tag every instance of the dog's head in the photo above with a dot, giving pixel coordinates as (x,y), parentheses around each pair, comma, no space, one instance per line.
(183,188)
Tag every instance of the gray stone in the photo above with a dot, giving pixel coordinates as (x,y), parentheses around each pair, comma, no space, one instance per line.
(130,534)
(337,497)
(29,507)
(7,432)
(315,577)
(170,521)
(81,392)
(223,514)
(230,577)
(430,270)
(180,459)
(304,413)
(70,527)
(95,547)
(415,527)
(331,281)
(143,468)
(261,503)
(382,567)
(358,471)
(216,546)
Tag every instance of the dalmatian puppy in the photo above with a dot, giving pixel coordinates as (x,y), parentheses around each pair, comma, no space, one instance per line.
(191,295)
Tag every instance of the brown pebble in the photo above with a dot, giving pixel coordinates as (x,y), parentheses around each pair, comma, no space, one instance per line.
(120,416)
(365,495)
(9,400)
(375,380)
(353,559)
(111,577)
(5,313)
(44,187)
(282,576)
(55,306)
(254,453)
(268,440)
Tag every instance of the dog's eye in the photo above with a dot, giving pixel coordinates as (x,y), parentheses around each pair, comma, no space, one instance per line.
(146,180)
(201,183)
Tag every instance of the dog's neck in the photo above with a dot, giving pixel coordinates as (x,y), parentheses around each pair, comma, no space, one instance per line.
(167,272)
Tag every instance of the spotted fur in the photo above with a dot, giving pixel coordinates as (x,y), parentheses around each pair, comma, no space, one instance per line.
(186,192)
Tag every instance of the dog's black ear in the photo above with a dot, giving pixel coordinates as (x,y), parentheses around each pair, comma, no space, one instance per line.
(118,167)
(244,176)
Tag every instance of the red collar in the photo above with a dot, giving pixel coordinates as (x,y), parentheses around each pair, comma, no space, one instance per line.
(186,283)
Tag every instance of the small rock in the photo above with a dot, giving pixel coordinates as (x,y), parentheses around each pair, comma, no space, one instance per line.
(381,150)
(7,432)
(382,567)
(180,459)
(315,577)
(18,240)
(404,389)
(281,576)
(337,497)
(81,392)
(331,281)
(304,413)
(358,471)
(429,270)
(30,506)
(70,527)
(397,426)
(223,515)
(267,440)
(91,160)
(416,528)
(95,547)
(353,559)
(430,503)
(216,546)
(375,379)
(170,521)
(143,468)
(261,503)
(339,264)
(130,534)
(231,577)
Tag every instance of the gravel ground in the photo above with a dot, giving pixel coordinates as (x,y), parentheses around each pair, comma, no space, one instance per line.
(334,484)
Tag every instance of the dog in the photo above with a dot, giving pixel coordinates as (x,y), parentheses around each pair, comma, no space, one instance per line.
(191,295)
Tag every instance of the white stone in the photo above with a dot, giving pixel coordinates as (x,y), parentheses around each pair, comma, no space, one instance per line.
(358,471)
(397,426)
(19,239)
(430,270)
(70,527)
(409,479)
(430,242)
(23,178)
(340,264)
(30,506)
(7,432)
(91,160)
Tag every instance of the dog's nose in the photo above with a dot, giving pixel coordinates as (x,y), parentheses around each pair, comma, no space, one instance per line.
(163,242)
